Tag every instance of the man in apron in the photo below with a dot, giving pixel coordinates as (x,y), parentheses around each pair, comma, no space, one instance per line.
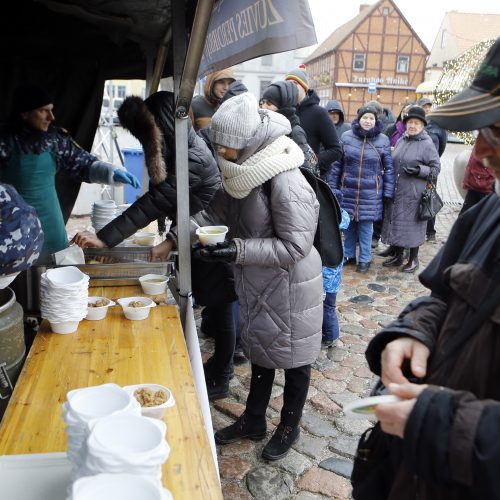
(33,150)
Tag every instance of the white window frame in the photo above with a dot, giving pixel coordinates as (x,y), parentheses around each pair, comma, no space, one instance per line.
(356,59)
(401,61)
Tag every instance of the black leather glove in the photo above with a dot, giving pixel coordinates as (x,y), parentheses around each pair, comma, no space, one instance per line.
(222,252)
(411,169)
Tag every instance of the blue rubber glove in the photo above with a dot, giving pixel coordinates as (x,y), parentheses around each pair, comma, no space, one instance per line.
(126,178)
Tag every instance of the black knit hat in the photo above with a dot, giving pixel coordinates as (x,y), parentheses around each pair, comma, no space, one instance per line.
(29,97)
(282,94)
(367,109)
(415,112)
(477,106)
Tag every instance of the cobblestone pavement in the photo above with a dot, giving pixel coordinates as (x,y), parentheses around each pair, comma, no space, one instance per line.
(319,464)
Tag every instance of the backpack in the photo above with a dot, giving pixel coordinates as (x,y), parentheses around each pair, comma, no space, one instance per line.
(327,239)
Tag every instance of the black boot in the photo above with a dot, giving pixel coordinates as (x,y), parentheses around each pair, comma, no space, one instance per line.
(388,252)
(217,388)
(412,265)
(279,445)
(363,267)
(395,261)
(247,426)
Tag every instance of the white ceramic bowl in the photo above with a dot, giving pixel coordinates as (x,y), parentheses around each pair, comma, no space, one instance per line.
(145,239)
(153,411)
(97,313)
(211,235)
(64,327)
(153,284)
(136,313)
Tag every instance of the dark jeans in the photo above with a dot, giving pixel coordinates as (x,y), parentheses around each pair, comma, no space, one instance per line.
(220,322)
(471,198)
(294,396)
(330,321)
(377,229)
(430,226)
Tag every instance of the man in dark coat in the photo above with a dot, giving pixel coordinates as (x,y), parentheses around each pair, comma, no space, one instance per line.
(446,434)
(336,113)
(314,119)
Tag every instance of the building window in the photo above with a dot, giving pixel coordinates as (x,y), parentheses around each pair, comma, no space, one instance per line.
(403,65)
(358,63)
(385,11)
(267,60)
(263,86)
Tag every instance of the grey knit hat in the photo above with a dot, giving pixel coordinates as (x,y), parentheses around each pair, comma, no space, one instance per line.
(236,121)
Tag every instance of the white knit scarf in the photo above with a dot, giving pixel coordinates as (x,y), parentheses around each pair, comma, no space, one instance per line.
(279,156)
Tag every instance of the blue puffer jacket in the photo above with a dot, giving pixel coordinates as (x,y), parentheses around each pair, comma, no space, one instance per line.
(364,175)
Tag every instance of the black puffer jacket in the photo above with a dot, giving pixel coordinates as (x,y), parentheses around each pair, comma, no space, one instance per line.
(152,122)
(320,130)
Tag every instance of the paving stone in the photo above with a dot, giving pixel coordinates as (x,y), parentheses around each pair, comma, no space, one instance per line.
(318,426)
(233,468)
(376,287)
(358,385)
(242,448)
(339,466)
(349,339)
(305,495)
(343,398)
(369,324)
(364,372)
(317,480)
(279,378)
(229,407)
(338,373)
(353,360)
(322,364)
(355,329)
(357,348)
(352,426)
(276,403)
(382,278)
(393,289)
(310,445)
(330,386)
(232,491)
(316,374)
(344,445)
(265,482)
(336,354)
(324,404)
(361,299)
(295,463)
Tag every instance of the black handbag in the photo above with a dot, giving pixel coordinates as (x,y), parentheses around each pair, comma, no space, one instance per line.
(430,202)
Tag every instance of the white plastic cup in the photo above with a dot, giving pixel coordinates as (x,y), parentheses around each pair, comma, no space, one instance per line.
(211,235)
(156,287)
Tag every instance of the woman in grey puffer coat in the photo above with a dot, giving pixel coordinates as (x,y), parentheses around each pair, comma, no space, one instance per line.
(415,159)
(277,270)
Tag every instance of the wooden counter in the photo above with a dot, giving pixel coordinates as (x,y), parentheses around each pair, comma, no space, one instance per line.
(124,352)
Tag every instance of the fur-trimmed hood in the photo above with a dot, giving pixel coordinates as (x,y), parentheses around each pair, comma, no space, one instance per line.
(152,123)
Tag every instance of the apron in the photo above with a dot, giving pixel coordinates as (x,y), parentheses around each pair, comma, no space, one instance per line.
(33,175)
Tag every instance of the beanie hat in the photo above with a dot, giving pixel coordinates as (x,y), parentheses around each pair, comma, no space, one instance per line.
(376,105)
(367,109)
(21,235)
(415,112)
(28,97)
(282,94)
(236,121)
(299,75)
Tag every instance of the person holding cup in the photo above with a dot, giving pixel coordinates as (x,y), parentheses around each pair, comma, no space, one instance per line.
(277,270)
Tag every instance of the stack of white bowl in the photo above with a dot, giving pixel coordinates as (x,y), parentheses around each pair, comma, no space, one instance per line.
(122,486)
(84,406)
(121,208)
(127,444)
(64,293)
(103,212)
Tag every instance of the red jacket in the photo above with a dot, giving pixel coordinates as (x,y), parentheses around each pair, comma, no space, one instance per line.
(477,177)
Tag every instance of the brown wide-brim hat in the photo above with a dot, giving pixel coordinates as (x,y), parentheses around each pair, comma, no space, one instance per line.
(477,106)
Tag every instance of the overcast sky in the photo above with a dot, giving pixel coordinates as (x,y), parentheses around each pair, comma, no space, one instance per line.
(424,16)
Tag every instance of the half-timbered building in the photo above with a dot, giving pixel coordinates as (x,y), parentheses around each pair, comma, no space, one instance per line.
(374,56)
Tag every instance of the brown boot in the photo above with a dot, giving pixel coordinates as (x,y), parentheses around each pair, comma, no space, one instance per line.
(411,266)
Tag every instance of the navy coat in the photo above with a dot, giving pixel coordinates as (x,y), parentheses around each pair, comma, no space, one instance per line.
(364,175)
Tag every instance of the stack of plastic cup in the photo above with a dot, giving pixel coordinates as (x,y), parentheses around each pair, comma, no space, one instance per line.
(118,487)
(130,444)
(87,405)
(64,293)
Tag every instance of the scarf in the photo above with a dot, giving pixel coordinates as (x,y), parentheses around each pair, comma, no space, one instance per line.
(279,156)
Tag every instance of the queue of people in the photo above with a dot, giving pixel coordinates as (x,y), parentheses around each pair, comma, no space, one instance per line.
(244,172)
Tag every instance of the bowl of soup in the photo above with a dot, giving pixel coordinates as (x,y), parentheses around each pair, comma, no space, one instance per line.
(211,235)
(153,284)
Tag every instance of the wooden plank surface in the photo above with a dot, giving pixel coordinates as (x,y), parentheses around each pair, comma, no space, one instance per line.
(123,352)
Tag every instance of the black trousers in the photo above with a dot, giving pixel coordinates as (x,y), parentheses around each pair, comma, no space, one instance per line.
(294,397)
(221,323)
(430,226)
(471,198)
